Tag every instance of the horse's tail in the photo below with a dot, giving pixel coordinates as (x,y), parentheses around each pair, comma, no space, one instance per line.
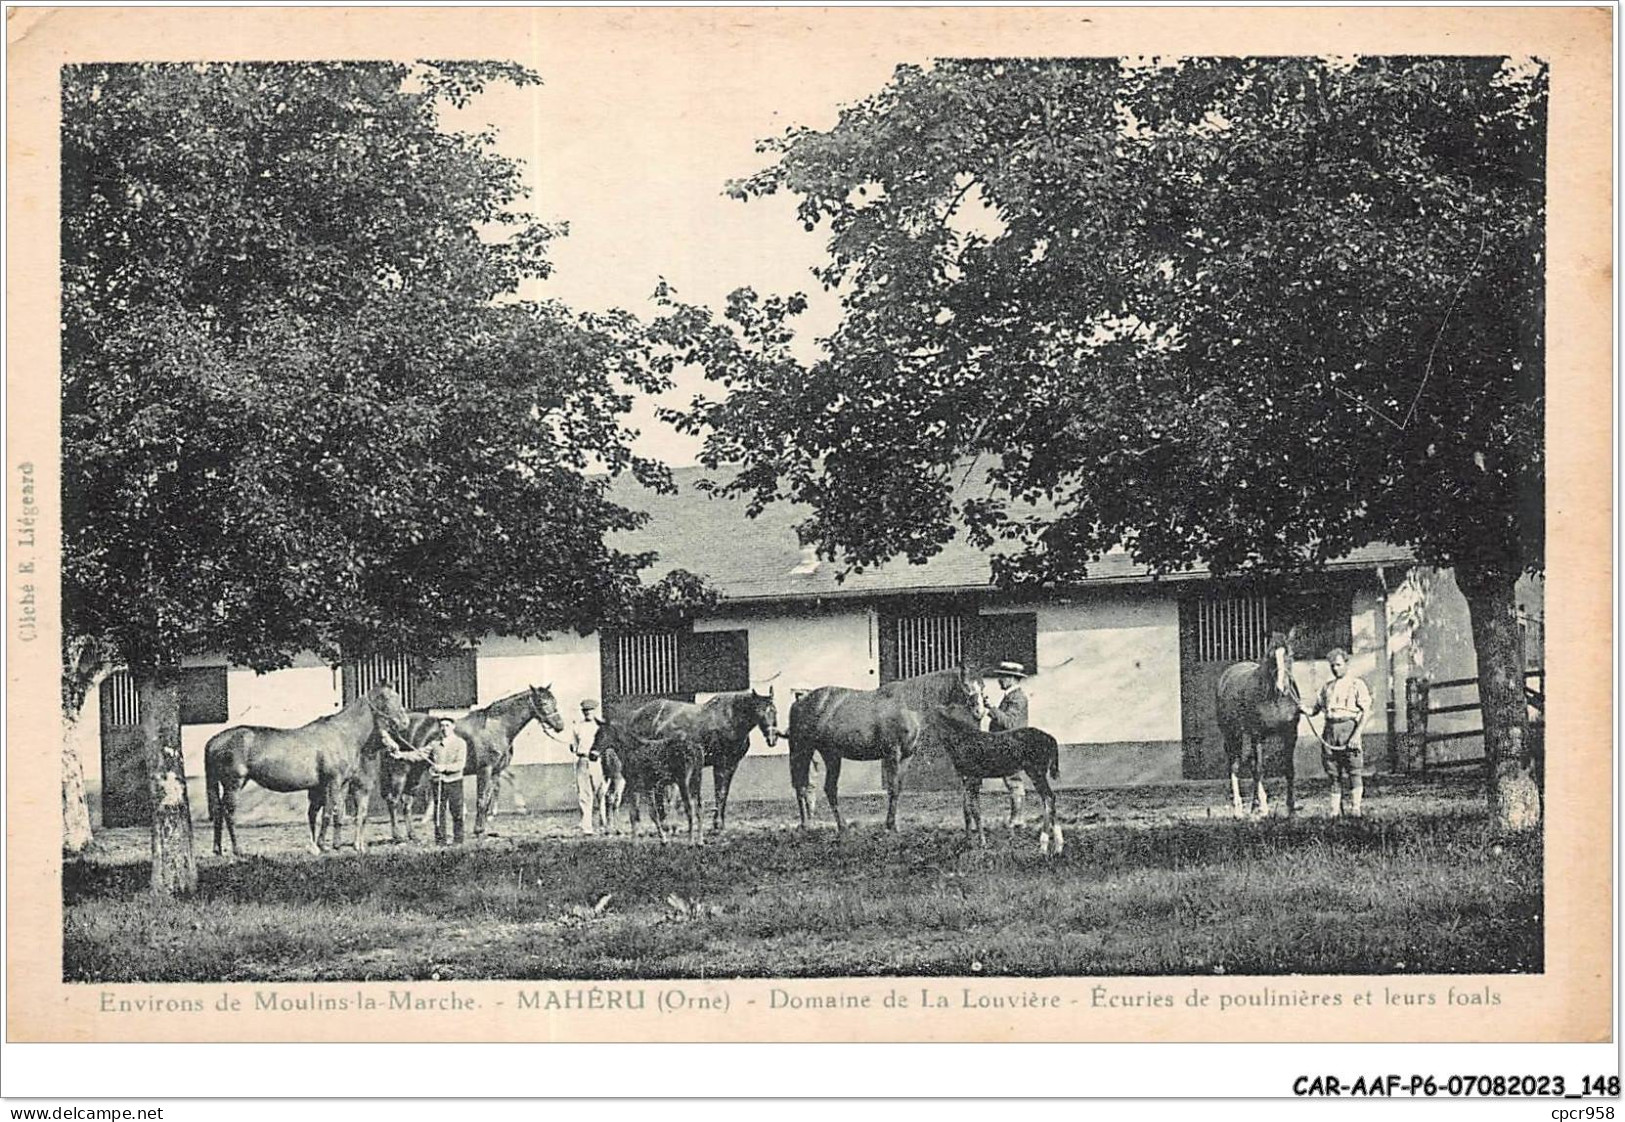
(213,780)
(800,753)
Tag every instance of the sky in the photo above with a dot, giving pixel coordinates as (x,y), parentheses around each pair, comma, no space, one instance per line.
(631,143)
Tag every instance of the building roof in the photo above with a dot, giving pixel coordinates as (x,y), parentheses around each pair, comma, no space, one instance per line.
(761,558)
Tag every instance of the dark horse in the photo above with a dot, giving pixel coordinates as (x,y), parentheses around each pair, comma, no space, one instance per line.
(649,766)
(331,757)
(489,732)
(1260,700)
(722,726)
(978,755)
(887,724)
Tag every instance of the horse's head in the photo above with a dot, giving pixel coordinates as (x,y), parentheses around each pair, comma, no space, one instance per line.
(387,708)
(764,713)
(1278,658)
(965,693)
(545,708)
(607,738)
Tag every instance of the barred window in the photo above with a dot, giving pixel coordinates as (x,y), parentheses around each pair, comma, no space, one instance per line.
(926,644)
(121,704)
(1232,628)
(445,683)
(646,663)
(201,692)
(391,669)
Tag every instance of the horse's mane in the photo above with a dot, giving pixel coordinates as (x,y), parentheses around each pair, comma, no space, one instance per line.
(733,699)
(955,717)
(931,686)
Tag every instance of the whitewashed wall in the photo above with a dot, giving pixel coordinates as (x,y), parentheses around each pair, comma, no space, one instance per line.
(1122,680)
(803,652)
(567,662)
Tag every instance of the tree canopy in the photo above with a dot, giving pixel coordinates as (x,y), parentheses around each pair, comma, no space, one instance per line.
(1252,313)
(304,406)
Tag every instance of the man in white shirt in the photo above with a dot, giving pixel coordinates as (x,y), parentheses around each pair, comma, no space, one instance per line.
(589,769)
(1347,704)
(447,764)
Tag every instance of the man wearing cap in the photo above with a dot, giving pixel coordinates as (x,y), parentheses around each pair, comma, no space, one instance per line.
(589,770)
(1011,713)
(447,762)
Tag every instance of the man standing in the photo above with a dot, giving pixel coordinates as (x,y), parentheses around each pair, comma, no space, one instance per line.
(1346,701)
(449,759)
(1011,713)
(589,769)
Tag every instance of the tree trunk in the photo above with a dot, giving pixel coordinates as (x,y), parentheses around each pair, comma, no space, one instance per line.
(1514,800)
(79,673)
(174,868)
(76,835)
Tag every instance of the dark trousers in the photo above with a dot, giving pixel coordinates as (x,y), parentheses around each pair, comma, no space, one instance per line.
(1343,762)
(448,811)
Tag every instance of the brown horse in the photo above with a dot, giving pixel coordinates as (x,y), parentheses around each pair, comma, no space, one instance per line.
(649,765)
(489,732)
(978,755)
(722,725)
(888,724)
(330,757)
(1260,701)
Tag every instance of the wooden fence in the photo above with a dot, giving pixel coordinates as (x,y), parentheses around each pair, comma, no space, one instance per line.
(1421,705)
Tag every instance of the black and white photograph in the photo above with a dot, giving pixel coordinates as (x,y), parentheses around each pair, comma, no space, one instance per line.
(621,513)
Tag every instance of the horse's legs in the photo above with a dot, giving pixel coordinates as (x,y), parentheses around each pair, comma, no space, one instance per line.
(225,812)
(316,804)
(1289,741)
(832,784)
(888,778)
(363,796)
(484,796)
(233,785)
(333,806)
(215,787)
(1232,752)
(1051,841)
(1261,799)
(722,780)
(657,809)
(1018,795)
(969,786)
(693,808)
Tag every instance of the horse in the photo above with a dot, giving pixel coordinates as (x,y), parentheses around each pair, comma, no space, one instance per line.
(328,758)
(650,764)
(888,724)
(489,732)
(978,755)
(722,725)
(1260,700)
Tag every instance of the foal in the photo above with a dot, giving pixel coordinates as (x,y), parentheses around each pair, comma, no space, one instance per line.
(978,755)
(649,765)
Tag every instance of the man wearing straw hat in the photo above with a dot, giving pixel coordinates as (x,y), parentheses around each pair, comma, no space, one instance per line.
(1011,713)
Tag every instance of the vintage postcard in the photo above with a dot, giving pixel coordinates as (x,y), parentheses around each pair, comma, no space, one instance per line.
(794,524)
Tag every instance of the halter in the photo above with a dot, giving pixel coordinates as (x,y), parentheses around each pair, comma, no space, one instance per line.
(541,718)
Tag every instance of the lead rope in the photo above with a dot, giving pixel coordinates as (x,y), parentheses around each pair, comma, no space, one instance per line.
(1309,720)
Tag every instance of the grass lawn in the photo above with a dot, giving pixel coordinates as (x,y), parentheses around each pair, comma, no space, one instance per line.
(1153,881)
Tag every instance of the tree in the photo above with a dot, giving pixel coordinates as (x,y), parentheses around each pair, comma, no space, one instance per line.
(303,406)
(1252,313)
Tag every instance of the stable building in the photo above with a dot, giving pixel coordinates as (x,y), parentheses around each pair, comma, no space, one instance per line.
(1123,663)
